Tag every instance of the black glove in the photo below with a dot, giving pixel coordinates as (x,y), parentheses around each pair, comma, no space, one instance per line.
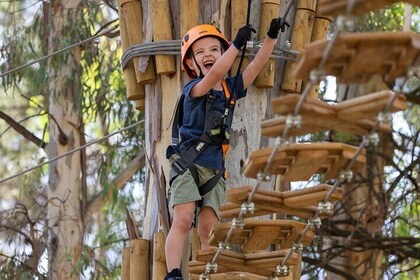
(244,34)
(276,26)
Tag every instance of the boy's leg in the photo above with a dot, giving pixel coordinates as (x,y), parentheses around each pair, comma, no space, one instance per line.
(181,224)
(206,220)
(209,213)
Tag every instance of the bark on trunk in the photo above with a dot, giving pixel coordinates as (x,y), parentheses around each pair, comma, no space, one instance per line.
(363,203)
(64,216)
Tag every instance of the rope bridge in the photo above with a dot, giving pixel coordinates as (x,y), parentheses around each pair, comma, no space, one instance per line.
(367,115)
(352,58)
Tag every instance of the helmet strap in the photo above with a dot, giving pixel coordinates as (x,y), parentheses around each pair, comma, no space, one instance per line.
(200,74)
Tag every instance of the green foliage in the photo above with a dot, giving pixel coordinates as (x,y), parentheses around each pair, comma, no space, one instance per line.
(386,19)
(105,109)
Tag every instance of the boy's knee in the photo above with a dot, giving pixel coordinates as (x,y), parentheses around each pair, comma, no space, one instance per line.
(183,222)
(204,230)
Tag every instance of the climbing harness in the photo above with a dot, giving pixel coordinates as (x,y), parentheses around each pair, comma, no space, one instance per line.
(216,129)
(216,132)
(212,266)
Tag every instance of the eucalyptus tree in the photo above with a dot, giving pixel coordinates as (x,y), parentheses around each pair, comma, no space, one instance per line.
(54,219)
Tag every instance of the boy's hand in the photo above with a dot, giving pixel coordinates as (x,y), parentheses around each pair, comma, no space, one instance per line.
(244,34)
(276,26)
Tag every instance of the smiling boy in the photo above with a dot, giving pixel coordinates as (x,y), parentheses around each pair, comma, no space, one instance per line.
(205,114)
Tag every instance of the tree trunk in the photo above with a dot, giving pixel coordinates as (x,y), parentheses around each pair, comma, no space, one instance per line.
(65,108)
(364,203)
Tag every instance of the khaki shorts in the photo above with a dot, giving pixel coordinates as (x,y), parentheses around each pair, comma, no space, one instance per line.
(183,188)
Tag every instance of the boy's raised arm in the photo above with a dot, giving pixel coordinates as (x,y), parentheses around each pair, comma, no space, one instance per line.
(254,68)
(223,64)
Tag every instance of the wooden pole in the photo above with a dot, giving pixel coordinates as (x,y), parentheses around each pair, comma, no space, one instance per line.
(238,17)
(134,16)
(134,90)
(139,259)
(297,269)
(159,260)
(195,243)
(125,267)
(162,30)
(320,31)
(140,104)
(302,30)
(269,10)
(190,15)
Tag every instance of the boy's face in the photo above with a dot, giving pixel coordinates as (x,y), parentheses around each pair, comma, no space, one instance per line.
(206,51)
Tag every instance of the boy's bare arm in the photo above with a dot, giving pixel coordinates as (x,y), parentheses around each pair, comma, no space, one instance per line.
(263,54)
(254,68)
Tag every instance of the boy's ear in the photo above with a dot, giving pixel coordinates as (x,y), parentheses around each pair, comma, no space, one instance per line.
(190,63)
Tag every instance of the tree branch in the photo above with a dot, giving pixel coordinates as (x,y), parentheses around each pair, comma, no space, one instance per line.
(102,198)
(329,267)
(22,130)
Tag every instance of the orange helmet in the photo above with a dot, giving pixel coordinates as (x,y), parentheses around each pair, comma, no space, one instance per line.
(193,35)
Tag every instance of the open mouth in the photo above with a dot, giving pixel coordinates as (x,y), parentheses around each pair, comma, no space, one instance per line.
(208,64)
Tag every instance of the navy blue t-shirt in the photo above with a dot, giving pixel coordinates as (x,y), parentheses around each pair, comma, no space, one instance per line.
(194,119)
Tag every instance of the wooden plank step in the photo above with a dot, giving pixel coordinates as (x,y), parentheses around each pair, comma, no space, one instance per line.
(324,158)
(257,235)
(311,196)
(338,7)
(302,202)
(390,54)
(356,116)
(232,210)
(275,127)
(368,106)
(229,275)
(261,264)
(285,105)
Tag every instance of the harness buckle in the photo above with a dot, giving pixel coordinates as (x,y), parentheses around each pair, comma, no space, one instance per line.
(178,168)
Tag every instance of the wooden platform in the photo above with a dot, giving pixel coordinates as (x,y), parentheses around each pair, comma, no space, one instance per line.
(338,7)
(298,162)
(356,57)
(259,264)
(356,116)
(257,235)
(302,203)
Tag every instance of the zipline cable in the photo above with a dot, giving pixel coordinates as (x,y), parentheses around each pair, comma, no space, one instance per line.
(59,51)
(72,151)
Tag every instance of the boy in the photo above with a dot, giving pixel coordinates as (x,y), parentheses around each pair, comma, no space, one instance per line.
(205,117)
